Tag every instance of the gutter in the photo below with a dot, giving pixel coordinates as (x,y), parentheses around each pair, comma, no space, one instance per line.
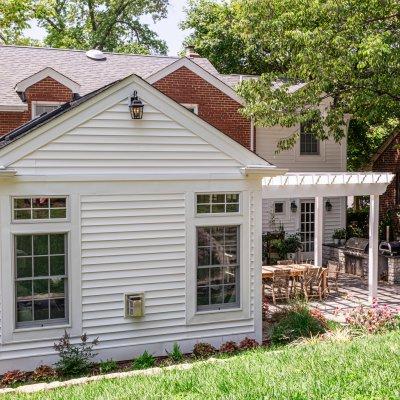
(5,172)
(262,171)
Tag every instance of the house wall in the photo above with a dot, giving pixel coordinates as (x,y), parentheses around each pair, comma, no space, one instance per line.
(389,161)
(334,219)
(214,106)
(47,89)
(131,228)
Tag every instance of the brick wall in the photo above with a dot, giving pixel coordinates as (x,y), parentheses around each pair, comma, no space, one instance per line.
(215,107)
(47,89)
(389,161)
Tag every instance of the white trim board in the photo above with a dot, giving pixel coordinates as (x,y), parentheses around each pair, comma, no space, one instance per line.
(122,90)
(47,73)
(13,107)
(202,73)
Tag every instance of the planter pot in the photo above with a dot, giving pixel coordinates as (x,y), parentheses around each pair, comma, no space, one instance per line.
(291,256)
(336,242)
(342,242)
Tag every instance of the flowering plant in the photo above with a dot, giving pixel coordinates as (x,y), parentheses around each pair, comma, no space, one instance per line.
(374,319)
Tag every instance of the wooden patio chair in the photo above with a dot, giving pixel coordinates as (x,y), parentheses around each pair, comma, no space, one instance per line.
(333,275)
(285,262)
(312,283)
(281,285)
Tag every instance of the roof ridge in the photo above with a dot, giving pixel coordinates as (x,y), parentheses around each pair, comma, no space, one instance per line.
(84,51)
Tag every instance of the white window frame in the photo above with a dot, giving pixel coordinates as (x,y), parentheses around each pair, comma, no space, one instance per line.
(242,310)
(48,322)
(38,221)
(10,333)
(221,213)
(36,103)
(195,107)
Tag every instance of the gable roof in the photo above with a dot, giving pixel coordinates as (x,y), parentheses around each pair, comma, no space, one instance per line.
(49,126)
(17,63)
(21,86)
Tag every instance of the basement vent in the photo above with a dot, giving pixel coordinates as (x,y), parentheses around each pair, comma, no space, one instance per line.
(95,54)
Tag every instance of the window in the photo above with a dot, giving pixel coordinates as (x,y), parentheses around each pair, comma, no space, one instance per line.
(309,145)
(194,108)
(217,267)
(40,279)
(39,208)
(217,203)
(278,208)
(39,108)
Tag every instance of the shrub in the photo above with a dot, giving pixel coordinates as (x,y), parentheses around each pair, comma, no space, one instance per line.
(44,373)
(228,348)
(248,344)
(11,378)
(107,366)
(373,319)
(144,361)
(295,322)
(75,359)
(203,350)
(176,353)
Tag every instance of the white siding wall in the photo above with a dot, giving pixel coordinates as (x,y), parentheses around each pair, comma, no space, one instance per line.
(334,219)
(112,142)
(332,158)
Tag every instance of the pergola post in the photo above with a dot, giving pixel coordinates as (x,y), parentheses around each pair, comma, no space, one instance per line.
(318,230)
(373,247)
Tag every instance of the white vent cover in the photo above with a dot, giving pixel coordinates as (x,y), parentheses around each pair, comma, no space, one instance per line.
(95,54)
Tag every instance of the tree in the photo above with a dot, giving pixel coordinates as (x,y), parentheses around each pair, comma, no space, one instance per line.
(347,51)
(109,25)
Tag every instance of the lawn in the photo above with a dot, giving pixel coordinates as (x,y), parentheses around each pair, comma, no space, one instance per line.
(365,368)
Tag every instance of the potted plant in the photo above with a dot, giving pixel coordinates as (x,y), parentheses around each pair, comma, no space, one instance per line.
(293,245)
(339,236)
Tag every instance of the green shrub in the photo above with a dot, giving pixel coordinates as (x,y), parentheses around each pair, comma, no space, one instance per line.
(296,322)
(107,366)
(144,361)
(75,359)
(175,354)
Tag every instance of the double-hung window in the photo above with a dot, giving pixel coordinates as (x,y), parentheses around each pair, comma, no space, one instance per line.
(309,144)
(40,263)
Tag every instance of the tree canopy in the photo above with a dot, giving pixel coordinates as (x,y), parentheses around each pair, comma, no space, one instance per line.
(109,25)
(344,50)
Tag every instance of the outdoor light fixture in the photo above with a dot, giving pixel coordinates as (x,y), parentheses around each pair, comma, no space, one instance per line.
(328,206)
(136,107)
(293,206)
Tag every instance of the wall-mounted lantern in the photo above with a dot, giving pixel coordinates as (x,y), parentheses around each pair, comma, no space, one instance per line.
(293,206)
(328,206)
(136,107)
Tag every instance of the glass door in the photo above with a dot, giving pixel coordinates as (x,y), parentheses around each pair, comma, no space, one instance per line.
(307,227)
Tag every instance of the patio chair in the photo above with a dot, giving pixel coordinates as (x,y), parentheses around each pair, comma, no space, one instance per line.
(333,275)
(281,285)
(285,262)
(312,283)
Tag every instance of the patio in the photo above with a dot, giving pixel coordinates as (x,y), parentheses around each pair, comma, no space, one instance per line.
(353,291)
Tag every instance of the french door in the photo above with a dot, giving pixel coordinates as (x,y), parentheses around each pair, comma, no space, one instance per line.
(307,227)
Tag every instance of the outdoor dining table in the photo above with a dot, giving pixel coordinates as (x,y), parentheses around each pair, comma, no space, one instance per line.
(296,270)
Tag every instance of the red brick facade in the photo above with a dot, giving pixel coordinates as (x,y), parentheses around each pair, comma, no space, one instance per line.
(45,90)
(389,161)
(214,106)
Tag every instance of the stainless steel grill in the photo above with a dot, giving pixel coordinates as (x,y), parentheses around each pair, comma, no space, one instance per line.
(358,244)
(390,248)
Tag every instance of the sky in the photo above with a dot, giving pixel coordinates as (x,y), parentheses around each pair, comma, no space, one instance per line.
(167,29)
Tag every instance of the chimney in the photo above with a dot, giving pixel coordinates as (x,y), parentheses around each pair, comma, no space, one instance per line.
(190,52)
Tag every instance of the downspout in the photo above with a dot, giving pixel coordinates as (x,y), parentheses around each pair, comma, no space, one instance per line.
(252,132)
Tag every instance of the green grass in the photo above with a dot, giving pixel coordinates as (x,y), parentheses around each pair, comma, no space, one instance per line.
(366,368)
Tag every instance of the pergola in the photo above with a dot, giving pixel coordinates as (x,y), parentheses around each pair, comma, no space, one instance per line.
(320,185)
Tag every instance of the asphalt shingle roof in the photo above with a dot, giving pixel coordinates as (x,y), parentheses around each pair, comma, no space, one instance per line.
(19,62)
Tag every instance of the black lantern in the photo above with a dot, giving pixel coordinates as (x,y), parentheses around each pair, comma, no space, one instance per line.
(136,107)
(328,206)
(293,206)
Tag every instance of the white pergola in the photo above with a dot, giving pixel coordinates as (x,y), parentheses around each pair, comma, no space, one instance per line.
(320,185)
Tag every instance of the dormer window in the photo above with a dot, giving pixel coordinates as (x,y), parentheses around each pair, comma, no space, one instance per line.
(41,107)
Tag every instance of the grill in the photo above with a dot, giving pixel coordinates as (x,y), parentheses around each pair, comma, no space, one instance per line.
(357,244)
(390,248)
